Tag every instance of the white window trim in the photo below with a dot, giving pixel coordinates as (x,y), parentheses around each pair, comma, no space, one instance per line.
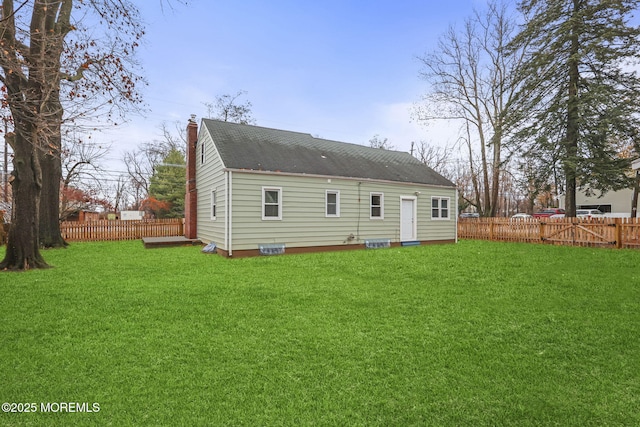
(203,157)
(272,218)
(381,205)
(214,204)
(326,204)
(440,217)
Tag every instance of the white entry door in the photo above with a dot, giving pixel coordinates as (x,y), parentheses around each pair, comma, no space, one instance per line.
(408,227)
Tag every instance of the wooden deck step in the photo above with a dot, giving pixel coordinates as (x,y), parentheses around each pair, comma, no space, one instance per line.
(163,242)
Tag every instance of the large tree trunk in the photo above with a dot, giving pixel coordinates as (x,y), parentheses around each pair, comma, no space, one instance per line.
(32,45)
(486,209)
(474,177)
(50,157)
(25,94)
(634,198)
(496,144)
(573,116)
(50,236)
(51,163)
(23,251)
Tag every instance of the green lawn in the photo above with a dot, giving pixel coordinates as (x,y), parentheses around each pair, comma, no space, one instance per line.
(471,334)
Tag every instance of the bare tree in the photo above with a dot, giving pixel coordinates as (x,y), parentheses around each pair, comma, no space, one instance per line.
(437,158)
(172,138)
(81,170)
(43,46)
(117,194)
(472,82)
(143,161)
(378,142)
(139,165)
(227,108)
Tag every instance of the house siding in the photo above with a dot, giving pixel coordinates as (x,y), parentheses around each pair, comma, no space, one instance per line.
(210,176)
(619,201)
(304,222)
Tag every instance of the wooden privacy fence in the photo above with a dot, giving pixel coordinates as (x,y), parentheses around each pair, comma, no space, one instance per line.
(120,229)
(601,232)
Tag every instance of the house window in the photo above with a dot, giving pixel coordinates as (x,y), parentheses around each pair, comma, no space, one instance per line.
(440,208)
(332,199)
(213,204)
(271,203)
(377,206)
(202,152)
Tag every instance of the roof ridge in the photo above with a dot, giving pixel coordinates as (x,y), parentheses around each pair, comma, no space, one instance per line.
(257,126)
(306,134)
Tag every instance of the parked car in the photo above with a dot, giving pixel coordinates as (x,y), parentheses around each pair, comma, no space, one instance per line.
(583,213)
(546,213)
(521,215)
(589,213)
(469,215)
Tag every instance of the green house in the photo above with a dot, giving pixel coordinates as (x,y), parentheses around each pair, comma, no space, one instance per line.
(253,190)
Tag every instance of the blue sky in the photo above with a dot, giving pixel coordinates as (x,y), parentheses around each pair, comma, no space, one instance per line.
(343,70)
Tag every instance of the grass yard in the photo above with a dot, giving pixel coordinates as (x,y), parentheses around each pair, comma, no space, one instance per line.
(472,334)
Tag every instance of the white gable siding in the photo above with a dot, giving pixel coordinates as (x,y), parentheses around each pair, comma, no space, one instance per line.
(304,222)
(209,177)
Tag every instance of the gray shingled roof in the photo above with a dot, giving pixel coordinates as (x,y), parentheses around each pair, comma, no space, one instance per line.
(264,149)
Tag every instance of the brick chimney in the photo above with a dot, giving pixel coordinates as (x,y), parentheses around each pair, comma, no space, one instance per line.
(191,197)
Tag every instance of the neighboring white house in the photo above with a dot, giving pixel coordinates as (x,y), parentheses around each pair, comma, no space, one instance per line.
(131,215)
(254,190)
(612,203)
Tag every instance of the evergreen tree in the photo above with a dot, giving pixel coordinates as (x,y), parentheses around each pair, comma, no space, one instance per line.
(582,96)
(167,185)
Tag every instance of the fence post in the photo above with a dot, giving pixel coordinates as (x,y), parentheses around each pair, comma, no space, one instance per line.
(618,233)
(491,229)
(542,230)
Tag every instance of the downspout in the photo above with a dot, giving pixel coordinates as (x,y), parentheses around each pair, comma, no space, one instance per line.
(359,213)
(230,212)
(226,210)
(456,213)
